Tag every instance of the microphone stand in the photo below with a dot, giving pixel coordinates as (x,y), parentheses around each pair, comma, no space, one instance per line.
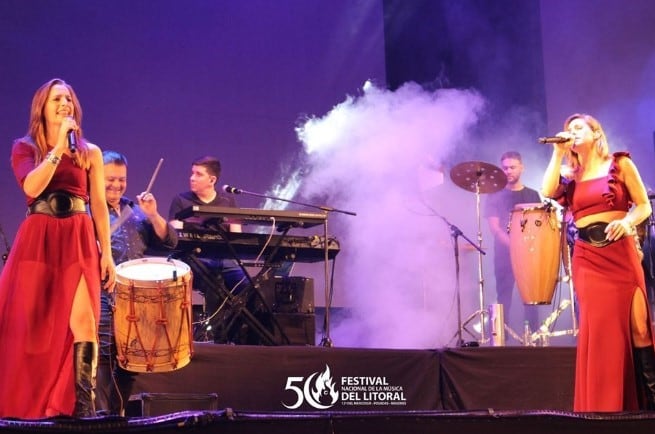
(327,340)
(7,246)
(456,232)
(325,208)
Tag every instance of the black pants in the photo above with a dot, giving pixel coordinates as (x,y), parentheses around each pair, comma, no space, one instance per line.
(113,384)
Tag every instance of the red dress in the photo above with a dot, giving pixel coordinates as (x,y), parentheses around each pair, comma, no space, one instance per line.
(47,260)
(605,279)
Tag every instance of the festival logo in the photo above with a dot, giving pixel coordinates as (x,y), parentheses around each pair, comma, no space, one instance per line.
(319,390)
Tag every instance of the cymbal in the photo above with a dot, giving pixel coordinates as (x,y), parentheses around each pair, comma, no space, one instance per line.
(478,176)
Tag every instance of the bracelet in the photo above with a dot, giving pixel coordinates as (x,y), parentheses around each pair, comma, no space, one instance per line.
(52,158)
(631,228)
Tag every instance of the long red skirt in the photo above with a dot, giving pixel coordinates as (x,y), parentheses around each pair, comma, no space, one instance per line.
(38,282)
(605,280)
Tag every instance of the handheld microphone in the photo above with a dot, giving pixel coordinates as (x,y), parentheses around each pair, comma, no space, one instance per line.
(548,140)
(72,141)
(231,190)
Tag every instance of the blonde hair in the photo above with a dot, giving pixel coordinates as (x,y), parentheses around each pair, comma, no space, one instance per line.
(36,130)
(602,148)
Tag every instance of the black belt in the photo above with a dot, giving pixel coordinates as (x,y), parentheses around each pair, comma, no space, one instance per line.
(58,204)
(594,234)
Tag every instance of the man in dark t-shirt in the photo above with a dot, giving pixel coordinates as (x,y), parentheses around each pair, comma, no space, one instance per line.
(205,173)
(498,209)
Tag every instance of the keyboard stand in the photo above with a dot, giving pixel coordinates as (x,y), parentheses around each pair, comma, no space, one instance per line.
(248,305)
(223,215)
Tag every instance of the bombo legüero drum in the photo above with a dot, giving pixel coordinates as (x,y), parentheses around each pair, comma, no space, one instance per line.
(152,317)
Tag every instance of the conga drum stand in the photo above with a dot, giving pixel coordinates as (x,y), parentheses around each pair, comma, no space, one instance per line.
(545,332)
(478,177)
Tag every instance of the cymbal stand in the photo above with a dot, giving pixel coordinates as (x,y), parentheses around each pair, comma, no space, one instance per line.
(479,177)
(482,311)
(455,233)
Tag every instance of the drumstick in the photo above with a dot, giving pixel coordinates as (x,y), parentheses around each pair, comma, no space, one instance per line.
(128,210)
(154,175)
(120,220)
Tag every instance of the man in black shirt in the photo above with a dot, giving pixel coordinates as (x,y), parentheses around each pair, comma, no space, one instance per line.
(498,211)
(226,274)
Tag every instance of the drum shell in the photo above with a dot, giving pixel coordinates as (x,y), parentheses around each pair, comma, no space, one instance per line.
(152,315)
(535,251)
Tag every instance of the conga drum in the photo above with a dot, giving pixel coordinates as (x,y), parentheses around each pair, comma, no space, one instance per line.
(152,317)
(535,251)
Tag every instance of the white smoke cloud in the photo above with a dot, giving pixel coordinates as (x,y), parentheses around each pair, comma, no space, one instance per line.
(378,154)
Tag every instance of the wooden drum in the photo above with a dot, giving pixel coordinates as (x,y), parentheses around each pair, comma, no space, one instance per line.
(535,237)
(152,318)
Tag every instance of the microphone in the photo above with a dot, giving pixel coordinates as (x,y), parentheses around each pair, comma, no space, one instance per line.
(232,190)
(72,141)
(548,140)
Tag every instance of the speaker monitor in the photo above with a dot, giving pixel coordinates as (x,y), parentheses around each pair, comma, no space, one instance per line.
(157,404)
(291,303)
(293,294)
(299,328)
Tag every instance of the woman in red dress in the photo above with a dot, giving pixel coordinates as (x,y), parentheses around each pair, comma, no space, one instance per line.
(615,364)
(50,285)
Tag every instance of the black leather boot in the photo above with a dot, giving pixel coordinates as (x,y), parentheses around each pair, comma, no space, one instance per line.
(644,359)
(85,357)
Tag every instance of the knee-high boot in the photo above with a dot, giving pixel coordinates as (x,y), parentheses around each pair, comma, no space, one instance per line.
(645,372)
(85,359)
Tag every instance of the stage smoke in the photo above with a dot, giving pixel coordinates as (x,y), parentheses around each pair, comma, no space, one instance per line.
(380,154)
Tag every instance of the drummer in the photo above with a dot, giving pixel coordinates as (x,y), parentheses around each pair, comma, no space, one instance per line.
(135,227)
(498,210)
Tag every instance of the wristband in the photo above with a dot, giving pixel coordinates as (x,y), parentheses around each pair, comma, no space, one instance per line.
(52,159)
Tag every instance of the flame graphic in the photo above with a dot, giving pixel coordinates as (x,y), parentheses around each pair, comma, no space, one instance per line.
(325,388)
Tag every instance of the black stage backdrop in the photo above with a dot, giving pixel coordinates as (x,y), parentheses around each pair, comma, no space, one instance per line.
(254,378)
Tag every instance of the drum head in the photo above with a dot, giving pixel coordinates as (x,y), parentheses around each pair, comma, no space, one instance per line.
(152,318)
(528,206)
(152,269)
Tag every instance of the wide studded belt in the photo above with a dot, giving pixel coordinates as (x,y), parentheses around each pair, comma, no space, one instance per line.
(594,234)
(58,204)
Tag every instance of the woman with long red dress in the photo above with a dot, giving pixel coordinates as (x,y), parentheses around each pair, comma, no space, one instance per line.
(615,363)
(50,285)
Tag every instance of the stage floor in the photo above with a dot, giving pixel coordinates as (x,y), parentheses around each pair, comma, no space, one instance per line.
(230,421)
